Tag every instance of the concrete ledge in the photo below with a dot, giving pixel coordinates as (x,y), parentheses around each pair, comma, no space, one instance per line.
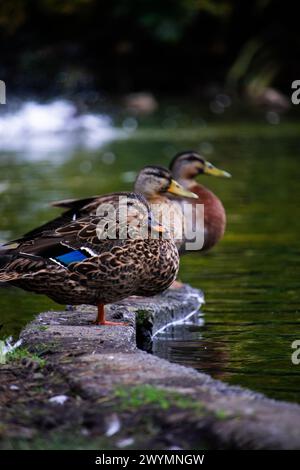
(116,396)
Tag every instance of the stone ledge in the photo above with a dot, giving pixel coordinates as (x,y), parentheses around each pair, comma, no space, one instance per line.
(104,376)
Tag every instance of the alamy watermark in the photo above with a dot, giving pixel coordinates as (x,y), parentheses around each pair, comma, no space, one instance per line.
(296,94)
(184,224)
(2,92)
(295,357)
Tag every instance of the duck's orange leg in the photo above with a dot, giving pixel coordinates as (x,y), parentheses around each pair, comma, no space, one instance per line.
(100,320)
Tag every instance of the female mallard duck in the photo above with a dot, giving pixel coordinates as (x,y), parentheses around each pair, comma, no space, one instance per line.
(164,195)
(154,182)
(74,264)
(185,167)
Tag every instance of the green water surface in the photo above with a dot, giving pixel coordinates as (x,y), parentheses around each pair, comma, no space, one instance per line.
(250,280)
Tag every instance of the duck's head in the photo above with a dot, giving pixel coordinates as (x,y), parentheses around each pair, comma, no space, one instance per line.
(189,164)
(155,181)
(139,214)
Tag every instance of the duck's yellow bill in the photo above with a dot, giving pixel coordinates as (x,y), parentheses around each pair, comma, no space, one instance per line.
(178,190)
(209,169)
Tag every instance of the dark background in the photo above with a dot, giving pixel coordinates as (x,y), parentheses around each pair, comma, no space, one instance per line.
(179,47)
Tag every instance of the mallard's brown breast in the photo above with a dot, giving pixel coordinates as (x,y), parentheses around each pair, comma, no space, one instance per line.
(214,215)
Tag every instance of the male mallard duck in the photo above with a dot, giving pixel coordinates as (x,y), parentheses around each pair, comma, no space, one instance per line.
(74,264)
(154,182)
(185,167)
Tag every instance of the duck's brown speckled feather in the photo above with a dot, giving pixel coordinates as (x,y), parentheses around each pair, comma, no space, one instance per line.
(115,269)
(75,209)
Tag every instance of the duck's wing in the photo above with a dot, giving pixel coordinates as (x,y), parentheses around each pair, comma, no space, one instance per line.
(65,247)
(76,208)
(73,233)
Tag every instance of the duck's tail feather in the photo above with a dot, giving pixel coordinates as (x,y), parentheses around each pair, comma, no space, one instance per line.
(5,260)
(8,270)
(9,276)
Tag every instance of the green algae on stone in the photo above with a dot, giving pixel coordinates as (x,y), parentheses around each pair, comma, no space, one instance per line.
(142,316)
(23,353)
(143,395)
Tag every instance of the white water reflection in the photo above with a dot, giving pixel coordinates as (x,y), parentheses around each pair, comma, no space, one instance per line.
(42,130)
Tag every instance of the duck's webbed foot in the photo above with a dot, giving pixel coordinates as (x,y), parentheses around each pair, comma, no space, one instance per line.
(112,323)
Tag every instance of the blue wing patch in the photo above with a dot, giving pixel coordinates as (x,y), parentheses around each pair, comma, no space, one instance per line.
(72,257)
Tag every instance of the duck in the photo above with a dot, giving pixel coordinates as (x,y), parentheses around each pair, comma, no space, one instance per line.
(165,195)
(155,183)
(80,263)
(185,167)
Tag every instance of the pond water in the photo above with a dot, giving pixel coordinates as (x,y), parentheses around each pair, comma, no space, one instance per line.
(250,280)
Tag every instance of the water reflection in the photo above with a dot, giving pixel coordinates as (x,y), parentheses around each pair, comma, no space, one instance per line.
(39,131)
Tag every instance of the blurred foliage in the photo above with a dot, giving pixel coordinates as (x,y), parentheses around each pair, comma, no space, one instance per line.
(120,42)
(163,19)
(12,15)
